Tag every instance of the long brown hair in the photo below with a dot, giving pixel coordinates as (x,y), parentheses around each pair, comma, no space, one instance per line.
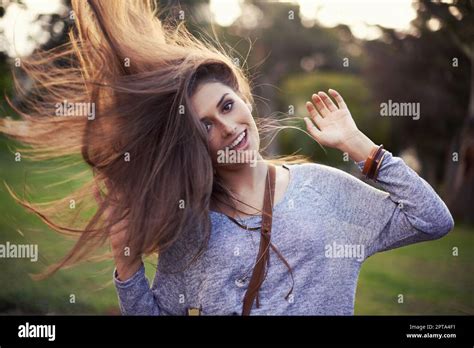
(147,150)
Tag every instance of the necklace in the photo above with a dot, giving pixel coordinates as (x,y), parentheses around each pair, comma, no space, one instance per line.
(242,225)
(243,279)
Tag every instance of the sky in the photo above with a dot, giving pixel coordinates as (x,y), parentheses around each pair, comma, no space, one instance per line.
(360,15)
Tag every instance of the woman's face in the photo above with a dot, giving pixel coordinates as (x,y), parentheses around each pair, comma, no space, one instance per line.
(232,132)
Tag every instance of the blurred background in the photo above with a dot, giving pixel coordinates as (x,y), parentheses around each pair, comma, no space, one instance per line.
(370,51)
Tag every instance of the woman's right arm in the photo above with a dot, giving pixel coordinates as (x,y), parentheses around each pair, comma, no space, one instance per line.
(126,264)
(135,295)
(133,289)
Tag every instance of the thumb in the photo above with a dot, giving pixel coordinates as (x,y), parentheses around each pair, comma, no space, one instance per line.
(312,129)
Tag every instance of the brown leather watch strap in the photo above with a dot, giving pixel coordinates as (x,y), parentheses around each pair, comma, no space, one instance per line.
(369,160)
(375,162)
(263,256)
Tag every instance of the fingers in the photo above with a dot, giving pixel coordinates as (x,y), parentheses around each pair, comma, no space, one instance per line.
(338,98)
(326,102)
(320,106)
(314,114)
(312,129)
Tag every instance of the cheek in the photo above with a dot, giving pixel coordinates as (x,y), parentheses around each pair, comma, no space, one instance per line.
(254,132)
(242,116)
(214,146)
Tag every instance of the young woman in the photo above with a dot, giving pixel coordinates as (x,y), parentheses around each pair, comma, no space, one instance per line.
(233,237)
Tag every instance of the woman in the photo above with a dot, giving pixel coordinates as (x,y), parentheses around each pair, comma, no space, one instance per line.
(235,234)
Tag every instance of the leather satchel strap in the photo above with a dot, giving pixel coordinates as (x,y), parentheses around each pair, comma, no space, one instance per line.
(263,256)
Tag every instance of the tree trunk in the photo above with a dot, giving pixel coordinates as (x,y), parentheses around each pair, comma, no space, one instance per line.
(460,175)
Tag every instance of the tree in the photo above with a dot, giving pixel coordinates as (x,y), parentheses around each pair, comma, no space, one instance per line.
(458,21)
(432,66)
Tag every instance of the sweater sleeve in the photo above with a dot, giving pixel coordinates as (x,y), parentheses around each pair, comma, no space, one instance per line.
(134,294)
(407,210)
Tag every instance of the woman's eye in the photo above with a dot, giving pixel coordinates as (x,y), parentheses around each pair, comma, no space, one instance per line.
(228,106)
(208,126)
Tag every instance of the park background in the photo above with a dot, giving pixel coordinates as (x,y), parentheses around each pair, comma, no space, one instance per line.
(370,51)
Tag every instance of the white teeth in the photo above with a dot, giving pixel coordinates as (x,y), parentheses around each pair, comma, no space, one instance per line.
(238,140)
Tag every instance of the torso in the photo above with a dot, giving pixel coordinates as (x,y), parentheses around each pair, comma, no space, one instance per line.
(304,223)
(282,181)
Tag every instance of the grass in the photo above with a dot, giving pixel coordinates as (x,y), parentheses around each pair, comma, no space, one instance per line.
(85,289)
(431,279)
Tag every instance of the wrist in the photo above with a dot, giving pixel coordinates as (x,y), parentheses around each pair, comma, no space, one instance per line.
(127,270)
(358,146)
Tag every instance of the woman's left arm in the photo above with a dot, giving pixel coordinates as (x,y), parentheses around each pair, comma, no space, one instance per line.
(419,212)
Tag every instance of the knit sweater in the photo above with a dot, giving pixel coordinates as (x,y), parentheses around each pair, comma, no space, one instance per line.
(325,226)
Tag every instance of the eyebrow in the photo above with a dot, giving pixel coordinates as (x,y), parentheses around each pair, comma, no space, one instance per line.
(221,100)
(218,104)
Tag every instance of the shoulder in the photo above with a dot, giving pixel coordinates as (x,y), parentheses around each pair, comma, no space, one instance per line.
(333,183)
(321,173)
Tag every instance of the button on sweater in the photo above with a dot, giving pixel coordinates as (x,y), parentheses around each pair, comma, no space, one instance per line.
(326,225)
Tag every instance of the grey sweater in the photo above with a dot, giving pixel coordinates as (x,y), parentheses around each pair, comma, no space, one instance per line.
(327,223)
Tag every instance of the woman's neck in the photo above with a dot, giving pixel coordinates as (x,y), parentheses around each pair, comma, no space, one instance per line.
(247,183)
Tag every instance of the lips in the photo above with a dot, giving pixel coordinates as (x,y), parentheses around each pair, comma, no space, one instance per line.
(238,142)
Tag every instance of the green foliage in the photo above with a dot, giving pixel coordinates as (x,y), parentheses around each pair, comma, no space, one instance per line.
(299,88)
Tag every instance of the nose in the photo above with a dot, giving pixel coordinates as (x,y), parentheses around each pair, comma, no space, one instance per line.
(228,128)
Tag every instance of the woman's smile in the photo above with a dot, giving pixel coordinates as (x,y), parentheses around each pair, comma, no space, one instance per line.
(240,143)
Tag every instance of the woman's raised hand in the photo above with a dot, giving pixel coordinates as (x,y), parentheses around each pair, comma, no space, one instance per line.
(333,124)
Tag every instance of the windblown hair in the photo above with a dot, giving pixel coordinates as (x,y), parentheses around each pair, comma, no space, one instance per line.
(146,147)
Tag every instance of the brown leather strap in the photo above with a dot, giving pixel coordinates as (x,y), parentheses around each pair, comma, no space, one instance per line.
(263,256)
(368,162)
(375,162)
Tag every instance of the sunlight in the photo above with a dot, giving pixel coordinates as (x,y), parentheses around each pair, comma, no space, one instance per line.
(360,16)
(225,12)
(21,31)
